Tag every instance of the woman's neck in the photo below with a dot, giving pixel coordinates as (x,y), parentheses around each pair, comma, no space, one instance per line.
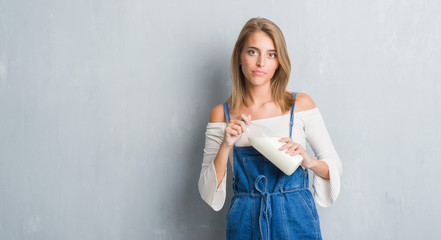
(258,95)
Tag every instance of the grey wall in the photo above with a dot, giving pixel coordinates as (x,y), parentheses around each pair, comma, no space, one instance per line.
(104,104)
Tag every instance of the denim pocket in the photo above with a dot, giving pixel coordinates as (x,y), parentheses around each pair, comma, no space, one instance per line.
(312,204)
(304,199)
(239,220)
(232,210)
(254,167)
(300,218)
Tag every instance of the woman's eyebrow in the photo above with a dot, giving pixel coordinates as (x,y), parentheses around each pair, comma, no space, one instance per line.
(269,50)
(254,48)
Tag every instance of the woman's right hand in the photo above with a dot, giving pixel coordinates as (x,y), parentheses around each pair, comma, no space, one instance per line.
(235,129)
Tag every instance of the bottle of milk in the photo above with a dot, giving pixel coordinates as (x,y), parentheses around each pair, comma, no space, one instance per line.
(264,141)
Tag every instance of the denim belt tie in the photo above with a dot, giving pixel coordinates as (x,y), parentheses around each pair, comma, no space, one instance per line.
(265,203)
(265,199)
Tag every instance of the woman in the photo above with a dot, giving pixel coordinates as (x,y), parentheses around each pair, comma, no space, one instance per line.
(267,204)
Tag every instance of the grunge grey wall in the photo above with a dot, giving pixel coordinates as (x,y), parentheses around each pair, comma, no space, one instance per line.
(104,104)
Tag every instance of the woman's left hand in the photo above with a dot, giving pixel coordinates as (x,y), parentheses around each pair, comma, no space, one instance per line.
(294,149)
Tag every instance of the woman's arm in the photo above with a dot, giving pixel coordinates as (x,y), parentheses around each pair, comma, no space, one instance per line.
(211,187)
(303,103)
(327,167)
(219,140)
(326,180)
(320,168)
(233,132)
(221,159)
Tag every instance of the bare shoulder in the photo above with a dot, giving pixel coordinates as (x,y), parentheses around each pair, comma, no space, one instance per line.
(217,114)
(304,102)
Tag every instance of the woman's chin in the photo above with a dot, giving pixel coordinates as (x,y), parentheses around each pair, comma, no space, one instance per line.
(258,82)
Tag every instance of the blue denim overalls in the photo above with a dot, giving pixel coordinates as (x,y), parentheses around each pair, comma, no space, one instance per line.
(268,204)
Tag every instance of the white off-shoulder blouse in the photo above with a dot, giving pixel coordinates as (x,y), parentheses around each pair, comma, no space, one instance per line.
(308,126)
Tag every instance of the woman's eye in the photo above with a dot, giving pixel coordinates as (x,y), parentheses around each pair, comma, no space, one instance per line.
(252,52)
(272,55)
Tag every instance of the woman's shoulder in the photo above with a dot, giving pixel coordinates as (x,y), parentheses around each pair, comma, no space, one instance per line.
(217,114)
(303,102)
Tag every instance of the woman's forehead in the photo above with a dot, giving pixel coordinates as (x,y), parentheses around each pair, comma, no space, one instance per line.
(261,41)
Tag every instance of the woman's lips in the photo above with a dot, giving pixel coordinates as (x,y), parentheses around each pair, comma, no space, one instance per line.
(259,73)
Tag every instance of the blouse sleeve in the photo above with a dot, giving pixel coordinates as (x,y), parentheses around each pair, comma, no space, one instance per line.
(325,191)
(208,180)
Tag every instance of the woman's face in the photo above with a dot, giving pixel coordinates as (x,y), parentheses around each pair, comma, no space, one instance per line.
(259,59)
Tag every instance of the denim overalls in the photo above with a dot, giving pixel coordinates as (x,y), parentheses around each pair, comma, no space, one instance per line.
(268,204)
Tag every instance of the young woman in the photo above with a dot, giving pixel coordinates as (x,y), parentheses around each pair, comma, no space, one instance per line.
(267,203)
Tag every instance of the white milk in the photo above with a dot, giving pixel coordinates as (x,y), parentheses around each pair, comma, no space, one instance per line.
(269,147)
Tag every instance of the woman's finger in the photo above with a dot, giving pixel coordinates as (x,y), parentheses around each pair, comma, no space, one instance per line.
(246,118)
(288,145)
(290,149)
(237,121)
(237,128)
(298,151)
(287,139)
(240,124)
(243,126)
(232,132)
(233,123)
(228,132)
(294,148)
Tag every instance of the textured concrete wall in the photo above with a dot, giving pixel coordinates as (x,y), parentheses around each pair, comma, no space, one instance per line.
(104,104)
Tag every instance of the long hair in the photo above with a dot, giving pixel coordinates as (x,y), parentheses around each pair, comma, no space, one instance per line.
(281,75)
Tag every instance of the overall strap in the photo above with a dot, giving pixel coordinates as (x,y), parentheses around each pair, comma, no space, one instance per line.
(227,112)
(291,121)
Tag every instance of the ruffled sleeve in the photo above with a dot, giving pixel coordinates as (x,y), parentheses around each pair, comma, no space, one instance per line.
(208,180)
(325,191)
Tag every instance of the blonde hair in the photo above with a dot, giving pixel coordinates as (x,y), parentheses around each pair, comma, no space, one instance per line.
(281,75)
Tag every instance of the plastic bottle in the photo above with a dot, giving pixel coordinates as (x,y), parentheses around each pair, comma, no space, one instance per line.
(264,141)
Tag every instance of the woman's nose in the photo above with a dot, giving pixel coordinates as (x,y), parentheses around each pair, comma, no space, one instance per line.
(260,61)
